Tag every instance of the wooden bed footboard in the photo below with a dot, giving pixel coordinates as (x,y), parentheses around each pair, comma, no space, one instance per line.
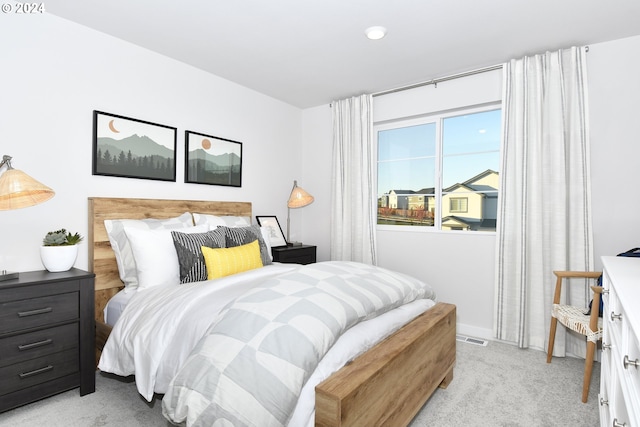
(387,385)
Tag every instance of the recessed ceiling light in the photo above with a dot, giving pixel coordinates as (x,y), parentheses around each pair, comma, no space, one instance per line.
(375,33)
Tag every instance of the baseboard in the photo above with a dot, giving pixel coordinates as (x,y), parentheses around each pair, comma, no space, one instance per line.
(474,331)
(575,350)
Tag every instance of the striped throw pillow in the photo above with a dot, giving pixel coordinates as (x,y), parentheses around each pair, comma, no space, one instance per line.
(188,248)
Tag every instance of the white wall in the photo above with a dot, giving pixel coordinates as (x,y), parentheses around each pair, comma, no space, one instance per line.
(614,95)
(317,124)
(55,73)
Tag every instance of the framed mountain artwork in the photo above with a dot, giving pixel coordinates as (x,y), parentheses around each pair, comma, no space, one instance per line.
(133,148)
(212,160)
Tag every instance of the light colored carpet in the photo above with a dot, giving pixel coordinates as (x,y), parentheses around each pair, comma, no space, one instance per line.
(497,385)
(502,385)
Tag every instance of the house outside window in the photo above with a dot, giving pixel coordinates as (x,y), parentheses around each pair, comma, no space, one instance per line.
(440,171)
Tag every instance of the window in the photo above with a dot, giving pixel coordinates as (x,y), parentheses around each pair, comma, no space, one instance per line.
(458,204)
(440,171)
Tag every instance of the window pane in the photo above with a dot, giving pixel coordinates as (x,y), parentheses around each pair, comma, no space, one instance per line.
(406,175)
(470,167)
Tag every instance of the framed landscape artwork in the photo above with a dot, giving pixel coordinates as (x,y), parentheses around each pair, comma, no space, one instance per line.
(212,160)
(133,148)
(270,222)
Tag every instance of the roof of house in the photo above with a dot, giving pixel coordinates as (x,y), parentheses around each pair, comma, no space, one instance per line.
(469,184)
(480,175)
(402,192)
(429,190)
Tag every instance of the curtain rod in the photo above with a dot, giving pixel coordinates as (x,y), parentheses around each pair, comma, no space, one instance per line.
(438,80)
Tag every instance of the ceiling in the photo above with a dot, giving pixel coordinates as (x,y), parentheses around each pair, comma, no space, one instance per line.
(311,52)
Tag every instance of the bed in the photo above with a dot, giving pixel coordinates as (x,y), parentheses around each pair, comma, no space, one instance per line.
(386,385)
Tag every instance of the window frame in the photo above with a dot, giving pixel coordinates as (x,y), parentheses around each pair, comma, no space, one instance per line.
(437,118)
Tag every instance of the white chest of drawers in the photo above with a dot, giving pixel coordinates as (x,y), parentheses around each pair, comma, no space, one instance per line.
(620,372)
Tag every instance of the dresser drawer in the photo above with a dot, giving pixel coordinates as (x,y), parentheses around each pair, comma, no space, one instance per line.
(631,371)
(32,372)
(18,348)
(614,317)
(619,410)
(30,313)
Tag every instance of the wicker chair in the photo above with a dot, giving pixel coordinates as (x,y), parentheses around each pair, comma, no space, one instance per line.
(574,318)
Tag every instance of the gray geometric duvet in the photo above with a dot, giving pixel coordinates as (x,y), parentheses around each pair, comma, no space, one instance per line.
(249,368)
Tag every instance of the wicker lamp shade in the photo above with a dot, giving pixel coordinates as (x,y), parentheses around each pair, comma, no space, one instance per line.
(299,198)
(18,190)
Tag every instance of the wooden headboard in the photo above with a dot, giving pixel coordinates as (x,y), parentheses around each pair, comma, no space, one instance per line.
(102,260)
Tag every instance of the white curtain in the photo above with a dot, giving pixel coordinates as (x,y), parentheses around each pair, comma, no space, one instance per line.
(353,214)
(544,212)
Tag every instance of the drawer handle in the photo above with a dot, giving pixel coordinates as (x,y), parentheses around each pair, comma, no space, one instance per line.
(22,347)
(34,312)
(36,372)
(615,316)
(617,424)
(626,362)
(605,291)
(603,402)
(606,346)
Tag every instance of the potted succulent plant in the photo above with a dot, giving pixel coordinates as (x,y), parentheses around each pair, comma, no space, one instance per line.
(59,250)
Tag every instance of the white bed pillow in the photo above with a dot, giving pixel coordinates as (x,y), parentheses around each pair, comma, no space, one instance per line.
(266,236)
(221,221)
(155,255)
(122,248)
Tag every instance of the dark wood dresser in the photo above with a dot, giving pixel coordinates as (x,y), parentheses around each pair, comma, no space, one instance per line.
(300,254)
(47,336)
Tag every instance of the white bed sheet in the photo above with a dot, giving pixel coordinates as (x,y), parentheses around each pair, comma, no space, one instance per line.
(153,344)
(115,306)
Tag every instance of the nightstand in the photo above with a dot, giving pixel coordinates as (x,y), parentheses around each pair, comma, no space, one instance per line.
(47,336)
(301,254)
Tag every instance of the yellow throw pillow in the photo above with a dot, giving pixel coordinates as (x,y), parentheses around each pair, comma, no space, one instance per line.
(223,262)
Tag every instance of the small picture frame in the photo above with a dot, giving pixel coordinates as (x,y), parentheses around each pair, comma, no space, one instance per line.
(212,160)
(133,148)
(271,223)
